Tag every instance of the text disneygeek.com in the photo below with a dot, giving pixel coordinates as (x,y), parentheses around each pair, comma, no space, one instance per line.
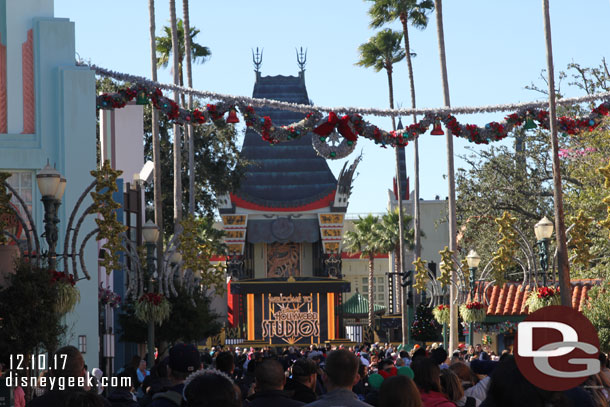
(61,383)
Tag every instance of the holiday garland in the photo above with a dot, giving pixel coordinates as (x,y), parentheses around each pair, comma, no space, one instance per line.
(542,297)
(350,126)
(105,205)
(421,275)
(447,265)
(503,258)
(499,328)
(579,240)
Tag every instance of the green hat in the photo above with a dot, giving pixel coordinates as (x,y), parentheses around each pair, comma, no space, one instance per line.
(406,371)
(375,380)
(400,347)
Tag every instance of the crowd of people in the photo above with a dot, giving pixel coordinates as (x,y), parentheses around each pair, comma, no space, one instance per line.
(368,375)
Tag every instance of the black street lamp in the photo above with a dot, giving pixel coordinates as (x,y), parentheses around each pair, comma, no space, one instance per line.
(150,235)
(544,231)
(52,186)
(473,260)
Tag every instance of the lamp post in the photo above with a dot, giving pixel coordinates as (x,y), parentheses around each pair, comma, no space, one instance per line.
(150,234)
(544,231)
(51,186)
(473,260)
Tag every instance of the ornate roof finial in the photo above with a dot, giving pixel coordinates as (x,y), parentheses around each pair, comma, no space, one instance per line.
(301,58)
(257,60)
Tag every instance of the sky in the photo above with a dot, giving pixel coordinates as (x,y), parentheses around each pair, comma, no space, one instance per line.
(494,49)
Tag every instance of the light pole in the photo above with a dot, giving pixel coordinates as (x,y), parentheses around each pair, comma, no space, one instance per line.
(473,260)
(150,234)
(51,186)
(544,231)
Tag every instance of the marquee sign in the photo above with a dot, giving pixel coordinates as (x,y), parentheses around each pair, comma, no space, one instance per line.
(290,318)
(235,227)
(331,231)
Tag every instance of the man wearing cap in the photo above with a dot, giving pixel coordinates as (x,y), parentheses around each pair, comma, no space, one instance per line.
(184,359)
(303,381)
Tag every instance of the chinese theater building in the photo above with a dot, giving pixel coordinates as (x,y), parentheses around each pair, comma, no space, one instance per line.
(283,229)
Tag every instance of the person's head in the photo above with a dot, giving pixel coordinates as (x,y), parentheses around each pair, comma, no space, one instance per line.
(478,347)
(305,372)
(211,388)
(225,362)
(509,388)
(386,365)
(419,353)
(142,365)
(399,391)
(451,385)
(84,399)
(439,355)
(269,375)
(341,369)
(184,359)
(71,363)
(135,361)
(427,374)
(464,373)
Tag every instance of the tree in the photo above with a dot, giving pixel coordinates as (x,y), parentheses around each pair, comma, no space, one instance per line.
(191,320)
(199,53)
(189,127)
(365,239)
(381,52)
(388,11)
(598,312)
(156,147)
(425,328)
(178,192)
(28,320)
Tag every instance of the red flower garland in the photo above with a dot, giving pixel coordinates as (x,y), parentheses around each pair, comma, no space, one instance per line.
(546,292)
(152,298)
(61,276)
(475,305)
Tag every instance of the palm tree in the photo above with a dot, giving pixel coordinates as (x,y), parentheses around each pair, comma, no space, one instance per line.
(381,52)
(189,81)
(365,239)
(199,53)
(453,320)
(156,146)
(388,11)
(177,129)
(390,236)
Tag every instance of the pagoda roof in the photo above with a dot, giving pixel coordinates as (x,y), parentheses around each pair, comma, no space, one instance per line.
(287,175)
(358,305)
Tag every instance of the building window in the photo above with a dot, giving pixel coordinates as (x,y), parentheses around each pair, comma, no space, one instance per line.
(82,343)
(22,182)
(365,281)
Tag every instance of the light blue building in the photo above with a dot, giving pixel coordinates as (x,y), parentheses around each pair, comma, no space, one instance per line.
(47,112)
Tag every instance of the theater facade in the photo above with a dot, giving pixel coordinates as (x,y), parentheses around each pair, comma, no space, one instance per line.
(283,230)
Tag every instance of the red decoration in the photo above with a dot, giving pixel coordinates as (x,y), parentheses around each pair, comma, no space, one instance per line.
(437,130)
(232,118)
(544,292)
(60,276)
(475,305)
(152,298)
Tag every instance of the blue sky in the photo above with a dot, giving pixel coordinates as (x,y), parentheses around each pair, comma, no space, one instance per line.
(494,49)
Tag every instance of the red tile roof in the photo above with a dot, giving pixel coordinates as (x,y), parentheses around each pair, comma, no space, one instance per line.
(509,299)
